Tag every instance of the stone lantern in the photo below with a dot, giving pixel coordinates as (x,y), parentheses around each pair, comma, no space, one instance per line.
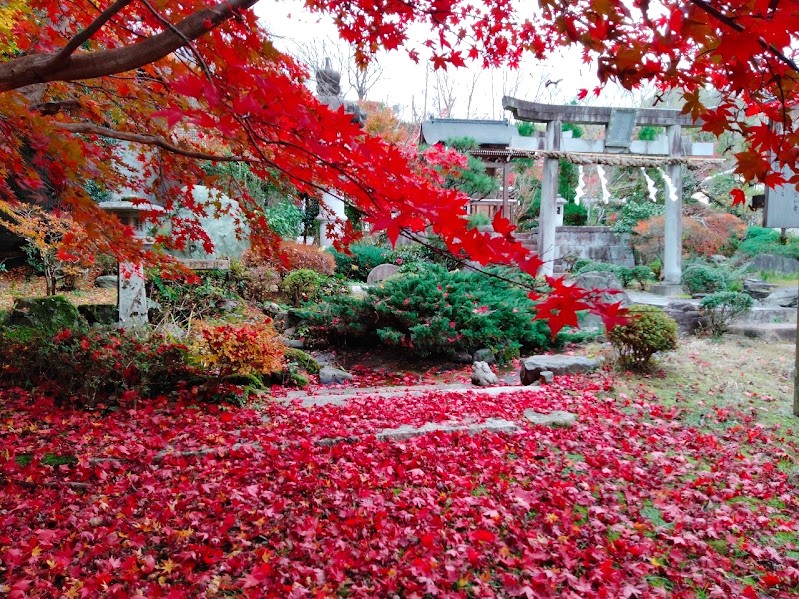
(132,298)
(560,204)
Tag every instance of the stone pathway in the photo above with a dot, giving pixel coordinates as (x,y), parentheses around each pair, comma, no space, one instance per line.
(338,397)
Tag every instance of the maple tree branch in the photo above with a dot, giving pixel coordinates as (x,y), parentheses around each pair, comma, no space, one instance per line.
(166,23)
(147,139)
(733,24)
(61,58)
(37,68)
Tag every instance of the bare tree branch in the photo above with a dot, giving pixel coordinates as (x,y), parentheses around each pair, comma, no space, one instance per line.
(37,68)
(146,139)
(61,58)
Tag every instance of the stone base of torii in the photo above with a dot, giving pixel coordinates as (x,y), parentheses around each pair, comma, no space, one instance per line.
(617,148)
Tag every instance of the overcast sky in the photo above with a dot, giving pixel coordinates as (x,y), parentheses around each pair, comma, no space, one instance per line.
(402,83)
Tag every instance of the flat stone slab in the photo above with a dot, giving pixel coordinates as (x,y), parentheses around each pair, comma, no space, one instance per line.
(343,396)
(556,418)
(779,332)
(491,425)
(533,366)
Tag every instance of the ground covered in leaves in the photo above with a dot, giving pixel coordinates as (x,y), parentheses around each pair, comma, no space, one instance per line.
(163,499)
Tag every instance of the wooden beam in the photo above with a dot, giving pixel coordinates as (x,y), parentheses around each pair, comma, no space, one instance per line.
(546,113)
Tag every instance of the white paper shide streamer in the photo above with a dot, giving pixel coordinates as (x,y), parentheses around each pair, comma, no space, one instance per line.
(603,182)
(580,191)
(672,191)
(650,186)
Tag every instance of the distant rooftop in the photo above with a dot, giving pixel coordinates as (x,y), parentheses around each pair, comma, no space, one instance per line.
(484,132)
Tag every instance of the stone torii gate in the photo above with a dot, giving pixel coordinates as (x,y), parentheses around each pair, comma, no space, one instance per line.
(618,148)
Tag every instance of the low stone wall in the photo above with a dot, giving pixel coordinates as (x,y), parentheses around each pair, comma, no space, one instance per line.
(595,243)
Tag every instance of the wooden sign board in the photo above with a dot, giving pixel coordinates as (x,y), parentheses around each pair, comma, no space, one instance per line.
(782,205)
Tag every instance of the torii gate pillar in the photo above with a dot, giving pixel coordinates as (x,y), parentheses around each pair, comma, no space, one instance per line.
(547,225)
(672,242)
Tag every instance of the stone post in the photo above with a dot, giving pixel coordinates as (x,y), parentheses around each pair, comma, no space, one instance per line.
(132,300)
(672,243)
(547,220)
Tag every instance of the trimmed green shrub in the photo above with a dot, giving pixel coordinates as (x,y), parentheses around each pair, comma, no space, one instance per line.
(305,285)
(760,240)
(700,278)
(723,308)
(436,312)
(649,330)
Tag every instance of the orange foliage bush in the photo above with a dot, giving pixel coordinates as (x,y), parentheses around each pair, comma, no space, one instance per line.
(292,256)
(295,256)
(704,234)
(239,349)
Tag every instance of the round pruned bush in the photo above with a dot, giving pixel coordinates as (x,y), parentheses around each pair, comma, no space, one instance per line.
(699,278)
(723,308)
(305,285)
(649,330)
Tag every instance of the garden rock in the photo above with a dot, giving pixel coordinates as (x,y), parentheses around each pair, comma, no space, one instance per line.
(546,377)
(688,316)
(786,297)
(380,273)
(333,376)
(603,280)
(482,376)
(295,343)
(758,289)
(556,418)
(107,282)
(773,263)
(485,355)
(462,357)
(533,366)
(51,314)
(106,314)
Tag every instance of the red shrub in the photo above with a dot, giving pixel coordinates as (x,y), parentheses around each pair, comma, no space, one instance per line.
(292,256)
(704,234)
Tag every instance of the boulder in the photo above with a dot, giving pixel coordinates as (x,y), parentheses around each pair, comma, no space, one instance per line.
(785,297)
(773,263)
(603,280)
(556,418)
(462,357)
(107,282)
(329,375)
(485,355)
(51,314)
(482,375)
(688,316)
(758,289)
(533,366)
(546,377)
(105,314)
(297,344)
(380,273)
